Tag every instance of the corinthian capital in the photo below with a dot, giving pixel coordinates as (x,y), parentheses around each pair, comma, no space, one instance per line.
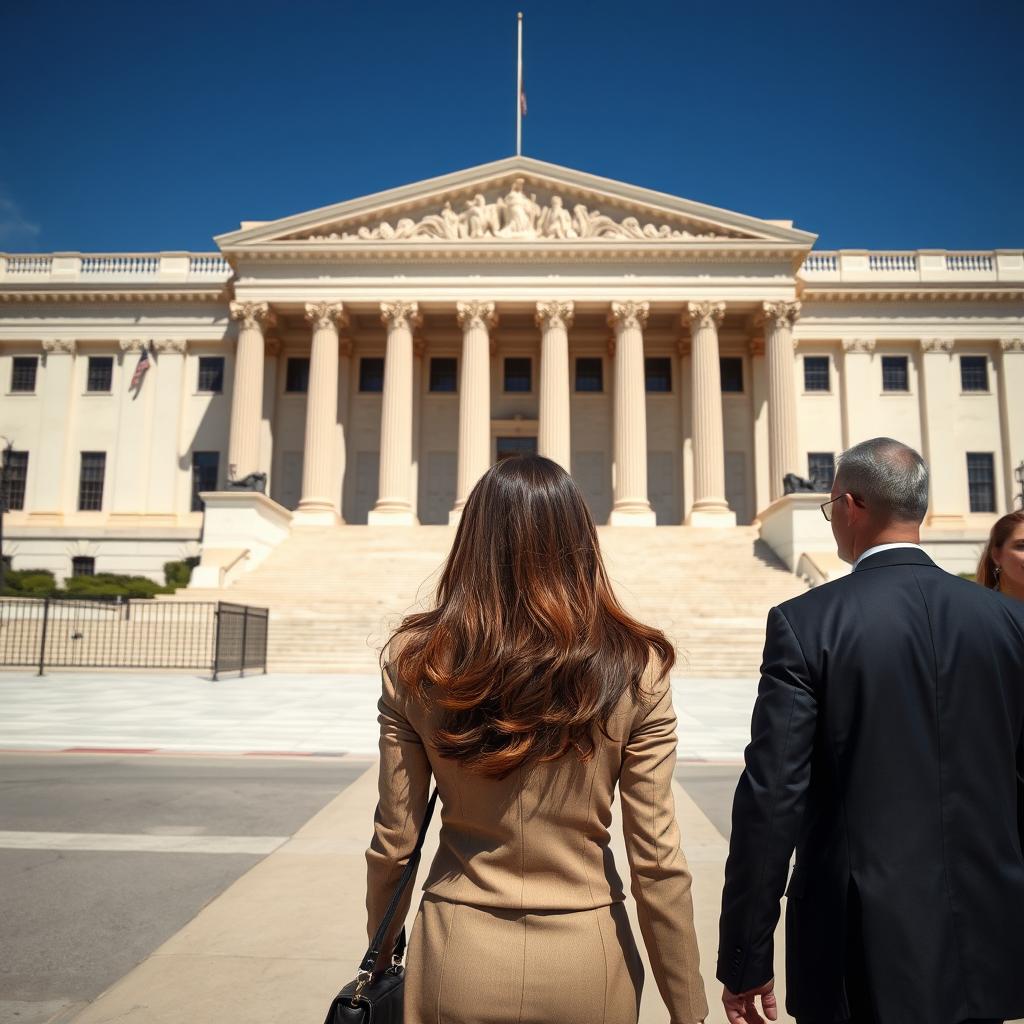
(628,314)
(475,314)
(131,344)
(704,314)
(1012,344)
(553,314)
(858,344)
(326,314)
(783,313)
(253,314)
(52,345)
(179,345)
(937,345)
(400,314)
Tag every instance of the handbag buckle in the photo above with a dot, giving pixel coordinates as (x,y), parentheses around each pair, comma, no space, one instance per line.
(363,978)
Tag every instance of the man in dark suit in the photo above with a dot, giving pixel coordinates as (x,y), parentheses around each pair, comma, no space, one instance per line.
(886,740)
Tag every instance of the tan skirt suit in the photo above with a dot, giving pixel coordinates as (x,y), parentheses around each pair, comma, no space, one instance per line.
(522,920)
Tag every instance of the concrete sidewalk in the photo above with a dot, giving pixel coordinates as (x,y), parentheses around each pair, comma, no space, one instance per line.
(276,946)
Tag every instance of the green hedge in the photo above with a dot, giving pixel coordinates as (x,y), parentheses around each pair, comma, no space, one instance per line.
(41,583)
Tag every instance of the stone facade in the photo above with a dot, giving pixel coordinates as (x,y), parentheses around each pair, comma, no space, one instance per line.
(372,358)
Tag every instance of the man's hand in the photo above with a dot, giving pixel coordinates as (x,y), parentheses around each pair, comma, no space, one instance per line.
(741,1008)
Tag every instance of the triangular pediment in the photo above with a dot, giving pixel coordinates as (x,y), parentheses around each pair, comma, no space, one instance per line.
(518,200)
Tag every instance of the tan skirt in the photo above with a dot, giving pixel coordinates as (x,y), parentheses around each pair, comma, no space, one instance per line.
(480,965)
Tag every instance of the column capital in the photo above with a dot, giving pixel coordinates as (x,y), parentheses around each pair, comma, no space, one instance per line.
(1012,344)
(400,314)
(858,344)
(554,313)
(704,314)
(132,344)
(326,314)
(781,312)
(628,314)
(179,345)
(53,346)
(475,314)
(940,345)
(252,314)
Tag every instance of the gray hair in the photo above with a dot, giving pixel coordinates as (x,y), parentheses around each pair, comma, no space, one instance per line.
(888,476)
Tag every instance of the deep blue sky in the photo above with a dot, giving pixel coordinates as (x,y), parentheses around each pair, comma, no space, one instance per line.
(147,126)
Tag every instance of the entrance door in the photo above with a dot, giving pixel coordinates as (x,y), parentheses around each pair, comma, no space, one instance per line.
(507,446)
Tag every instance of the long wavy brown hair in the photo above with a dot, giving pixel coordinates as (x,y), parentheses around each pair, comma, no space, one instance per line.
(527,649)
(1000,534)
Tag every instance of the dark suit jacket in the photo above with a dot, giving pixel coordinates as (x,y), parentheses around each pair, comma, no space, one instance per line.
(886,741)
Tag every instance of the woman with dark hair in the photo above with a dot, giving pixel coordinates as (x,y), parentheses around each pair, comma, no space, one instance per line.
(1002,562)
(528,693)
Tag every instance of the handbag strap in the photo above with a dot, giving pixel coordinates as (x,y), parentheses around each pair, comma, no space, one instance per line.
(370,960)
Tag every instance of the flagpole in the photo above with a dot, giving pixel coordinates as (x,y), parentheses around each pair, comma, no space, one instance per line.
(519,90)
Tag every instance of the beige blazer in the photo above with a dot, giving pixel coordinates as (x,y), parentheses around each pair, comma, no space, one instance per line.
(539,839)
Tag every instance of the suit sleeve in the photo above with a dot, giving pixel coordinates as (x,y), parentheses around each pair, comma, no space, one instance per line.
(767,810)
(660,878)
(403,784)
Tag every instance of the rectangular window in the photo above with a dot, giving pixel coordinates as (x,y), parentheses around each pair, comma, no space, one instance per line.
(205,466)
(83,565)
(100,374)
(518,375)
(981,481)
(443,373)
(211,374)
(90,481)
(17,474)
(816,373)
(731,369)
(973,373)
(658,373)
(23,373)
(589,373)
(894,373)
(821,470)
(296,375)
(371,373)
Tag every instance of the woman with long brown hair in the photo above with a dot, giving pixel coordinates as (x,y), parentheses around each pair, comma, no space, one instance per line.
(1002,562)
(529,693)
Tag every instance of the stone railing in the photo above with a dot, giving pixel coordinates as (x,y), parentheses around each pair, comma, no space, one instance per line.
(861,266)
(69,267)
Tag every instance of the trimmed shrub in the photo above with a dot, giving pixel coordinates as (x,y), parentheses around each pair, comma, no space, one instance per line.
(177,574)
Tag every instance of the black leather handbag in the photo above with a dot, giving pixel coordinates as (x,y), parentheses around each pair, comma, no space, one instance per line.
(379,998)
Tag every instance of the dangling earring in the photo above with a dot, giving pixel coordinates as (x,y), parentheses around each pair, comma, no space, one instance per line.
(996,570)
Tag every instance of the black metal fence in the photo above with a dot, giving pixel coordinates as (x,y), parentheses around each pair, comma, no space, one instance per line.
(132,633)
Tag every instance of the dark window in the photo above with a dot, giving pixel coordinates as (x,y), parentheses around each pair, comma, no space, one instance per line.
(973,373)
(821,470)
(731,369)
(17,474)
(507,446)
(517,374)
(297,375)
(894,373)
(23,373)
(100,373)
(816,373)
(211,373)
(204,476)
(442,373)
(90,481)
(7,560)
(981,481)
(590,373)
(371,373)
(83,565)
(658,373)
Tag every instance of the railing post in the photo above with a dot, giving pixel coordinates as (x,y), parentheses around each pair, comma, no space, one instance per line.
(245,627)
(42,642)
(216,640)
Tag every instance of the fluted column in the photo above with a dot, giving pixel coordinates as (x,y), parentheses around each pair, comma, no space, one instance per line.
(394,502)
(553,431)
(630,506)
(318,505)
(779,318)
(247,387)
(475,318)
(342,420)
(709,505)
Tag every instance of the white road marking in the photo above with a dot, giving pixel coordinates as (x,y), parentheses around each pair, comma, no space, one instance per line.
(117,842)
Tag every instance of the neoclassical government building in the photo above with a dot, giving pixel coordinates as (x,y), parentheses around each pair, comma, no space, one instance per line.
(372,358)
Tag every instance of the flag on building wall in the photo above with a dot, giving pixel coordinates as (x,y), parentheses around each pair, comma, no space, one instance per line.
(140,369)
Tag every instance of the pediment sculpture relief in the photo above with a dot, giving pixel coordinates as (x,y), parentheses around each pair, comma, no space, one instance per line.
(517,217)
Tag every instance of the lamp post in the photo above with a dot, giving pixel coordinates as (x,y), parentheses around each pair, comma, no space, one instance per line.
(4,466)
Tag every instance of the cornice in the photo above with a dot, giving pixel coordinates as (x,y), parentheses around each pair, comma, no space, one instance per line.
(901,293)
(46,293)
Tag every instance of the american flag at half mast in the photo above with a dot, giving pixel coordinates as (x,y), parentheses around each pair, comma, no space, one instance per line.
(140,369)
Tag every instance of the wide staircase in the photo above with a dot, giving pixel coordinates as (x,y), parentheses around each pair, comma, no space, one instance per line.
(334,593)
